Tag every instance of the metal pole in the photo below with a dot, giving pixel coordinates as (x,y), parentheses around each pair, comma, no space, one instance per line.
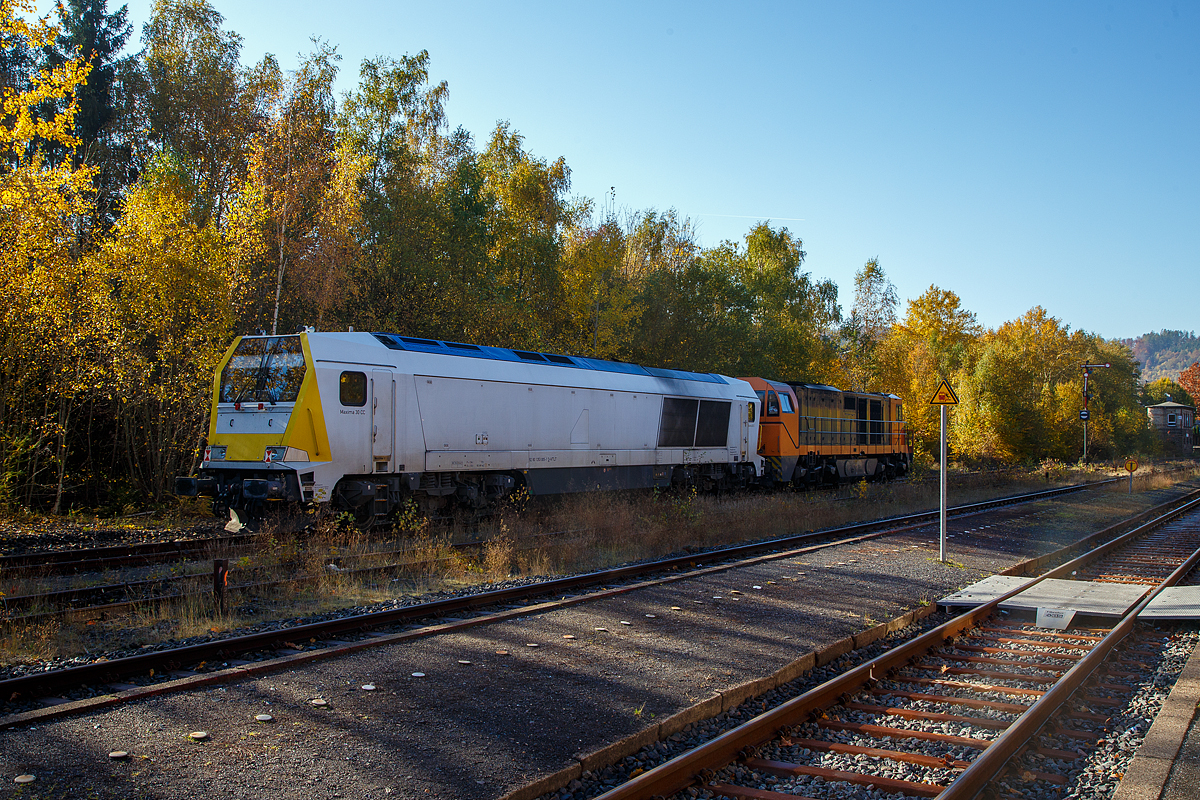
(942,509)
(1086,373)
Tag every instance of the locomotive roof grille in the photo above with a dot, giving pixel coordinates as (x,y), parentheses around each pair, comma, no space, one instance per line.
(818,386)
(395,342)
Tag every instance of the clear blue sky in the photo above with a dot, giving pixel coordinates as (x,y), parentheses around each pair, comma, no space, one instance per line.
(1016,153)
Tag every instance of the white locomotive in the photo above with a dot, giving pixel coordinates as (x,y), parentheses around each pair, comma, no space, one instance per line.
(368,421)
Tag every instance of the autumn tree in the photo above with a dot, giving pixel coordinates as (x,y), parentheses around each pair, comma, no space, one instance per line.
(793,315)
(294,166)
(871,319)
(530,212)
(1189,379)
(875,301)
(201,105)
(658,242)
(45,358)
(176,282)
(935,341)
(741,308)
(1022,396)
(1165,389)
(467,238)
(598,296)
(661,263)
(393,122)
(1118,426)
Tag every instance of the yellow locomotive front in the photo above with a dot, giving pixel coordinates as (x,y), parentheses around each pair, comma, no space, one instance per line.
(265,426)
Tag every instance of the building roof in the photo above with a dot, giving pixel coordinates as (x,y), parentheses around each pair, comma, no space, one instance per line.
(1171,404)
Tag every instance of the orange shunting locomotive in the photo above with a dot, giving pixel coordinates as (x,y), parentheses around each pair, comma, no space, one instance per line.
(811,434)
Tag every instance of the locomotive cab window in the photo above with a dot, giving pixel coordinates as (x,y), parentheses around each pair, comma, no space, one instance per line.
(353,389)
(772,404)
(785,402)
(264,370)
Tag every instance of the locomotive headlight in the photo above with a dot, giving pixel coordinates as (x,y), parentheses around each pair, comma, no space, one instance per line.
(214,453)
(274,454)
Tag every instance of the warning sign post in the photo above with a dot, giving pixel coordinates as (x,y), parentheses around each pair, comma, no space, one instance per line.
(944,397)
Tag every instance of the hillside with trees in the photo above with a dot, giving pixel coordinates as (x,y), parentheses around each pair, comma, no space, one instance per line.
(159,204)
(1165,354)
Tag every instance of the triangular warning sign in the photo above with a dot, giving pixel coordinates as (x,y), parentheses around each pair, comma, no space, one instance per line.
(944,396)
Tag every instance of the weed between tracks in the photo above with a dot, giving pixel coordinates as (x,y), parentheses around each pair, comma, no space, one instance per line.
(322,561)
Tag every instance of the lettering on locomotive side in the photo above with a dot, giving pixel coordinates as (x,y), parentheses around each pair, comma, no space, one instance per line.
(542,459)
(362,412)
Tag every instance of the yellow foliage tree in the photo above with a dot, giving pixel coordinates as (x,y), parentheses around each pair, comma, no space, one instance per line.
(598,298)
(935,341)
(175,286)
(44,346)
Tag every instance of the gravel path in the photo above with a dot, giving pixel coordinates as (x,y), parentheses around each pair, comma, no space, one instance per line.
(514,712)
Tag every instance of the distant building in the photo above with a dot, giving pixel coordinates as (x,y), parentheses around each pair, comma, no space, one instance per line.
(1174,421)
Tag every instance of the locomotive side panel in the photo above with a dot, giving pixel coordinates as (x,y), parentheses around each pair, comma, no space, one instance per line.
(347,412)
(525,426)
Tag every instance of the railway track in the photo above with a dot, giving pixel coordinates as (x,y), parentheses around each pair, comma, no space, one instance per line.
(1024,704)
(97,559)
(106,599)
(124,596)
(79,560)
(26,692)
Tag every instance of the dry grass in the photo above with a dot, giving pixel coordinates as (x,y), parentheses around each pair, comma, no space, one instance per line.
(575,534)
(498,557)
(601,531)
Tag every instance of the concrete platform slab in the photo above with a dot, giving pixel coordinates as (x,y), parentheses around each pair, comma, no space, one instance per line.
(1175,602)
(984,591)
(1083,597)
